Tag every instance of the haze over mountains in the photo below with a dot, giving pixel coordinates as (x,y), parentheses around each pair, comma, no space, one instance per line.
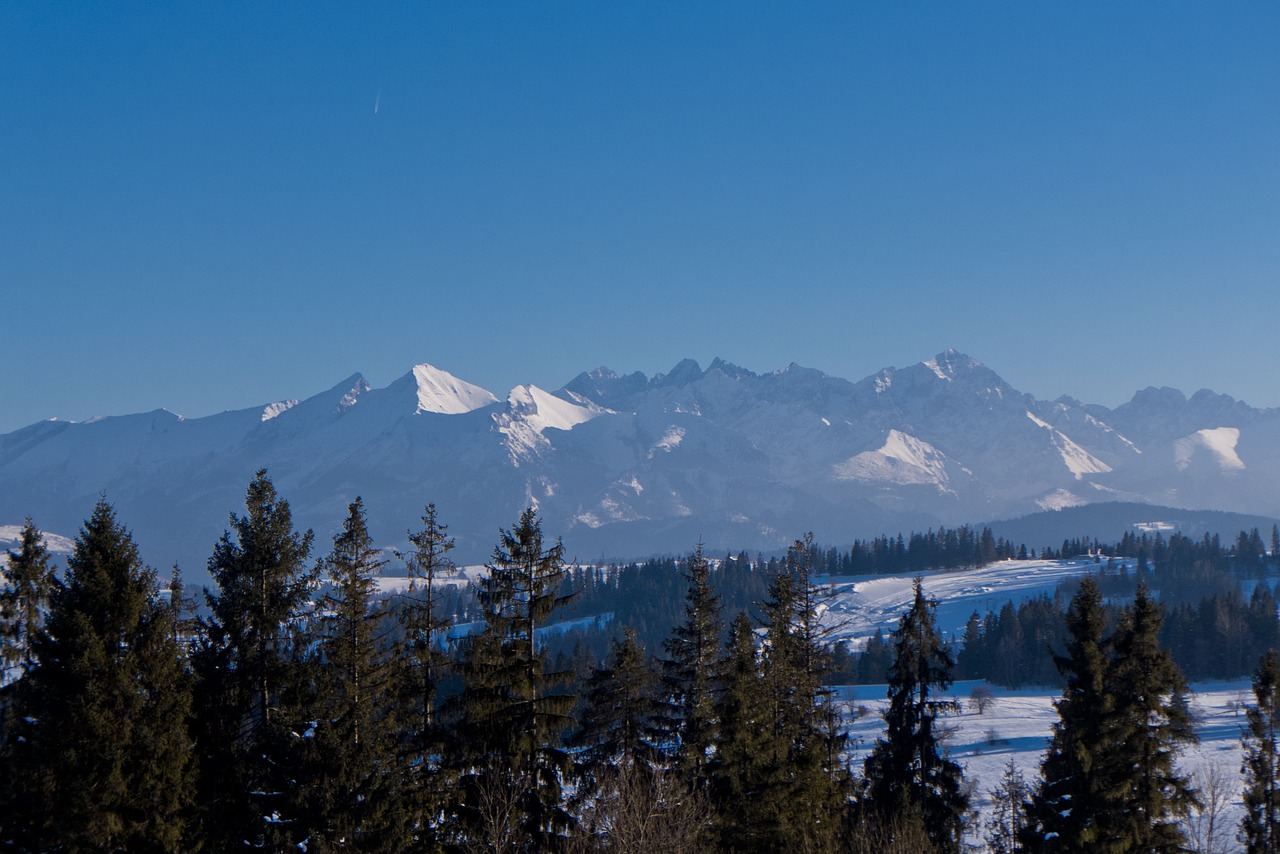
(630,465)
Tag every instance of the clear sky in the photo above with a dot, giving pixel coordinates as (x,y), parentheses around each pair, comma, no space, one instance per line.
(213,206)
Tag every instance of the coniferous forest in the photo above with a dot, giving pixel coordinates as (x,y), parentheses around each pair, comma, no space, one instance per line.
(295,707)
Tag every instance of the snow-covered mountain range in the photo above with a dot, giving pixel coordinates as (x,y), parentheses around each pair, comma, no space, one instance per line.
(630,465)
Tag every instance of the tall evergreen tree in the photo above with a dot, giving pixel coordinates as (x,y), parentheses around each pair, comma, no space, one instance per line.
(425,668)
(688,672)
(252,684)
(351,792)
(743,771)
(27,583)
(1153,723)
(1077,803)
(907,770)
(1008,811)
(513,710)
(806,745)
(618,718)
(1260,827)
(105,738)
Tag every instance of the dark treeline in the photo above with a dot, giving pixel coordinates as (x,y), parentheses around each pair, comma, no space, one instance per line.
(1213,629)
(297,709)
(946,548)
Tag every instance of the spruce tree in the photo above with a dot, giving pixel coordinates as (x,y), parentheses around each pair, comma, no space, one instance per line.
(745,785)
(425,667)
(802,716)
(513,709)
(1260,827)
(105,740)
(351,790)
(28,581)
(688,673)
(618,717)
(253,685)
(1152,724)
(1077,805)
(908,771)
(1008,812)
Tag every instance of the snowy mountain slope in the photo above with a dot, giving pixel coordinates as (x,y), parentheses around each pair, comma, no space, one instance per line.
(627,465)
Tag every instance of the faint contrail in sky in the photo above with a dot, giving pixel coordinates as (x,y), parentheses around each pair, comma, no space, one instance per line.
(377,102)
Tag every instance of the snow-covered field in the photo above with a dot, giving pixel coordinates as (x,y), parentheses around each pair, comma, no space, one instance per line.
(1018,722)
(861,604)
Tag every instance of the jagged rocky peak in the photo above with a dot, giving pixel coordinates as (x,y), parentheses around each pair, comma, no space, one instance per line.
(729,369)
(687,371)
(1158,398)
(350,390)
(605,387)
(951,363)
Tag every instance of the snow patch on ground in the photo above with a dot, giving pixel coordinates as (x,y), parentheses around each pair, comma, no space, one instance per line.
(11,538)
(860,604)
(1218,441)
(903,459)
(441,392)
(1018,723)
(1060,499)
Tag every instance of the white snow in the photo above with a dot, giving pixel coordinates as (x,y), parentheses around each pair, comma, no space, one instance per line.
(352,397)
(271,410)
(1109,429)
(531,411)
(1018,723)
(861,604)
(1155,527)
(669,441)
(11,538)
(1077,460)
(441,392)
(1220,442)
(1060,499)
(932,364)
(903,459)
(541,409)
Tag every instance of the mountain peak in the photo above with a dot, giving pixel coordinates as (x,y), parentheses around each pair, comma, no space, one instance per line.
(685,372)
(951,362)
(441,392)
(352,389)
(729,369)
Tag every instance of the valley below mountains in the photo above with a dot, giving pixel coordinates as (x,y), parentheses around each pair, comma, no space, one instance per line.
(624,466)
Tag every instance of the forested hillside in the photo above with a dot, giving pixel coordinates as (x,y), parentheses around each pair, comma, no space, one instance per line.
(674,705)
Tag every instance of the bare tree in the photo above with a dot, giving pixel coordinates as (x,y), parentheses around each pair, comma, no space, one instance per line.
(498,797)
(981,698)
(641,809)
(1207,829)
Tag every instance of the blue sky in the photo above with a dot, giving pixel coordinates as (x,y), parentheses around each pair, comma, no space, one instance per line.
(212,206)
